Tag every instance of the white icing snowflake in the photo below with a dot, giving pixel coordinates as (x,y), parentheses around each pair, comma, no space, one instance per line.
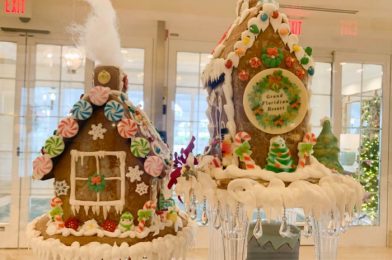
(134,173)
(61,188)
(141,188)
(97,131)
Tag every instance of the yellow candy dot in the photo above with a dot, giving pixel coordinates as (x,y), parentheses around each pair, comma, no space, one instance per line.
(284,31)
(246,40)
(296,48)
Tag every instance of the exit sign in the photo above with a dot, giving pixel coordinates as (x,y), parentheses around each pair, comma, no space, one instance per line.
(20,8)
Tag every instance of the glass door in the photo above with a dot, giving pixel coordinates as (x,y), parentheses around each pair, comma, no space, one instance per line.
(361,115)
(56,82)
(9,180)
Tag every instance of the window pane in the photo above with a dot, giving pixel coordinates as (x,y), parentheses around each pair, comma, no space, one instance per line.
(321,82)
(188,69)
(70,94)
(361,141)
(72,67)
(321,108)
(44,98)
(135,94)
(7,60)
(134,68)
(190,102)
(48,60)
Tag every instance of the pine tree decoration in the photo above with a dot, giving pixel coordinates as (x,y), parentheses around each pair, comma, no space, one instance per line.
(279,158)
(369,157)
(327,149)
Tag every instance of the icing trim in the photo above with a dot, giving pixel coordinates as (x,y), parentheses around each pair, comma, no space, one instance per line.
(165,248)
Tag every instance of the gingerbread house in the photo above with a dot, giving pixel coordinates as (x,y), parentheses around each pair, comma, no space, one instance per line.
(257,80)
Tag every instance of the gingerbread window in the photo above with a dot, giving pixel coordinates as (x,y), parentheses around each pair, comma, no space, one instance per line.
(97,181)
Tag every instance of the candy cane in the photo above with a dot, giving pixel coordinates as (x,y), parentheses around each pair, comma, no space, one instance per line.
(310,138)
(239,139)
(149,205)
(216,162)
(140,226)
(59,221)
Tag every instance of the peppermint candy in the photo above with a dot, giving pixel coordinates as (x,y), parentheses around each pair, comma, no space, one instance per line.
(42,165)
(127,128)
(82,110)
(140,147)
(114,111)
(68,127)
(153,166)
(99,95)
(54,146)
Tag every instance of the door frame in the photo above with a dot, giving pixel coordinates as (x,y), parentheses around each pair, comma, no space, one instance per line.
(9,231)
(367,235)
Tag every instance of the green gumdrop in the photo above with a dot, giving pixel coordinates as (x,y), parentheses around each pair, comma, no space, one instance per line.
(305,60)
(309,51)
(254,29)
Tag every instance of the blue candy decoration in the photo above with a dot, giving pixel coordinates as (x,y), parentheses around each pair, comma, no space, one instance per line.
(216,82)
(311,71)
(82,110)
(264,17)
(114,111)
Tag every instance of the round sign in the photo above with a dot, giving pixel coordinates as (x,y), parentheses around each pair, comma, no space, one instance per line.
(275,101)
(104,77)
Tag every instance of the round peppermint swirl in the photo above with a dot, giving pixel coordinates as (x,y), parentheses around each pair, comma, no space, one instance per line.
(114,111)
(82,110)
(54,146)
(140,147)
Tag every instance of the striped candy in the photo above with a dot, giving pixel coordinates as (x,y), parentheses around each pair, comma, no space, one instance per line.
(82,110)
(114,111)
(153,166)
(68,127)
(140,147)
(239,139)
(99,95)
(42,165)
(54,146)
(127,128)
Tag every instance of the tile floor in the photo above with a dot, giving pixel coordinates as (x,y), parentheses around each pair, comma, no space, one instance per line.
(306,253)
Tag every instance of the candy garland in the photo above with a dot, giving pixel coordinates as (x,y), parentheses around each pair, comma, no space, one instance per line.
(54,146)
(114,111)
(99,95)
(68,127)
(82,110)
(127,128)
(305,149)
(140,147)
(153,166)
(42,165)
(56,212)
(243,149)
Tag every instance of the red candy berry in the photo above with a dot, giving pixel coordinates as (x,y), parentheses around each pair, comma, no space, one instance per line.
(255,63)
(72,223)
(243,75)
(229,64)
(300,73)
(289,61)
(275,14)
(109,225)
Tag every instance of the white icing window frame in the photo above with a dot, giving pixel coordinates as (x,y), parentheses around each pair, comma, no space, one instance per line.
(96,205)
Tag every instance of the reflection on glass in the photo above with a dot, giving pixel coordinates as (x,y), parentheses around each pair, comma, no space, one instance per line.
(190,102)
(320,101)
(59,84)
(133,60)
(361,138)
(7,103)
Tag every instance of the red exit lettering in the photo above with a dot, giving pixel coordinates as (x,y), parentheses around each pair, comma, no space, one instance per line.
(14,6)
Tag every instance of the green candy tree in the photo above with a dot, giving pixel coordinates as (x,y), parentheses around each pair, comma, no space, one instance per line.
(327,149)
(279,158)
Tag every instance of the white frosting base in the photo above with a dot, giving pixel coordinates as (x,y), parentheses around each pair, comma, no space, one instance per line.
(162,248)
(334,193)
